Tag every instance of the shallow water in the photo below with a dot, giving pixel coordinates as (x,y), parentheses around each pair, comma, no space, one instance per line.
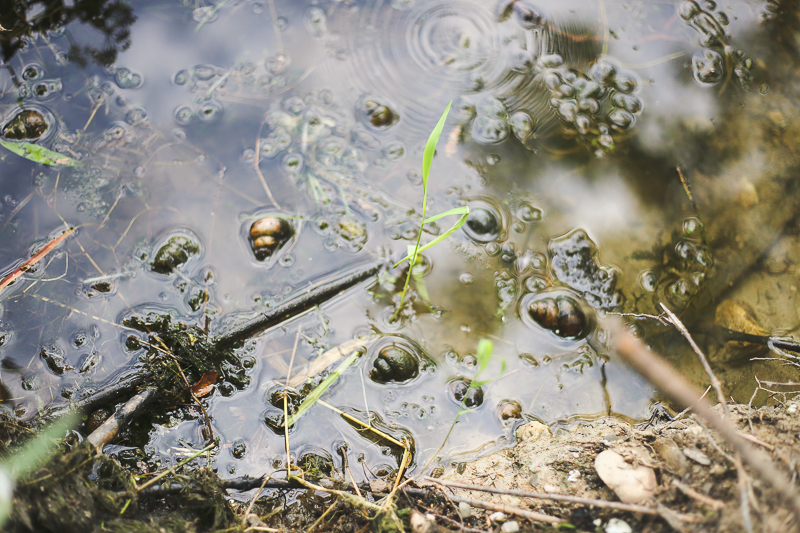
(569,121)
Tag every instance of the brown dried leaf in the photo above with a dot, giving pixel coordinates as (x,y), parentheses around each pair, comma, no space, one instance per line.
(205,384)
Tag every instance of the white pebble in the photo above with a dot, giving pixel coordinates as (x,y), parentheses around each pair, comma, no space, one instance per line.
(464,510)
(497,517)
(510,527)
(615,525)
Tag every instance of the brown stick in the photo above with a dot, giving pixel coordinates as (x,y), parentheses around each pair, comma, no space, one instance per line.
(553,497)
(671,383)
(20,270)
(508,509)
(109,429)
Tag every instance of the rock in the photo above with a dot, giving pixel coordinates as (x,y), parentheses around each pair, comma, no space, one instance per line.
(631,483)
(421,523)
(615,525)
(464,510)
(510,527)
(697,456)
(671,454)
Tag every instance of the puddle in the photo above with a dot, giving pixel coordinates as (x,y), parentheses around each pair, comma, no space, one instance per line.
(614,156)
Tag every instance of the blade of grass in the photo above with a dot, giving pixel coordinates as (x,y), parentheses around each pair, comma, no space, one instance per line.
(463,211)
(427,159)
(38,154)
(315,395)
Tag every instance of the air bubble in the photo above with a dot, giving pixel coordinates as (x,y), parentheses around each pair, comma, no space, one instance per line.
(204,72)
(316,21)
(135,115)
(292,163)
(128,79)
(551,61)
(528,213)
(708,67)
(294,105)
(394,151)
(32,72)
(488,130)
(522,124)
(692,227)
(183,115)
(521,61)
(210,111)
(620,119)
(466,278)
(181,77)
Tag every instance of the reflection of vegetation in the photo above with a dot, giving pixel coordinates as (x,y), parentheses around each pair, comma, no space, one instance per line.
(112,19)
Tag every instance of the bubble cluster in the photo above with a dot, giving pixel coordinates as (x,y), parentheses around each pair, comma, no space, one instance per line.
(710,63)
(573,258)
(593,105)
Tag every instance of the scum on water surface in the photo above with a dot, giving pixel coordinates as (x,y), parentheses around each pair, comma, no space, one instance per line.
(196,124)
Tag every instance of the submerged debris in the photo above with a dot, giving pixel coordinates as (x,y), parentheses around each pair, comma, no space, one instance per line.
(574,261)
(28,124)
(175,253)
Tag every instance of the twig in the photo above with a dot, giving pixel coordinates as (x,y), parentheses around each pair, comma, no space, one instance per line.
(619,506)
(109,429)
(286,405)
(330,508)
(670,382)
(124,387)
(294,307)
(708,501)
(458,524)
(253,501)
(743,480)
(508,509)
(24,267)
(714,381)
(206,418)
(140,488)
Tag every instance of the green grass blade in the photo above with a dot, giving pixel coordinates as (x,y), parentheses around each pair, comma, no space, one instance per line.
(38,154)
(430,146)
(315,394)
(484,354)
(463,211)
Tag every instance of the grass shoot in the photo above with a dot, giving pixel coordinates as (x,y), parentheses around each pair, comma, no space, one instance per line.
(417,248)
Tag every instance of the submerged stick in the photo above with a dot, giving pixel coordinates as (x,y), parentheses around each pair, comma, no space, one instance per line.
(127,412)
(124,387)
(35,258)
(313,297)
(670,382)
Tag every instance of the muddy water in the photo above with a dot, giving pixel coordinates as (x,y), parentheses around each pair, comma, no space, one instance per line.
(569,123)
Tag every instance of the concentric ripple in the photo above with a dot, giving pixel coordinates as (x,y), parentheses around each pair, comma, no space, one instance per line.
(423,54)
(420,55)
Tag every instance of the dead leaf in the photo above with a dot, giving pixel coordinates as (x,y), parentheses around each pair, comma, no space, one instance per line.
(205,384)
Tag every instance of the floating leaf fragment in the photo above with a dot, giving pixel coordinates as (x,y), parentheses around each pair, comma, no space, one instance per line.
(38,154)
(205,384)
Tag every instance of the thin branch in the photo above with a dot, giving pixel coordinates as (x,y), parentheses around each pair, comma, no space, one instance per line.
(552,497)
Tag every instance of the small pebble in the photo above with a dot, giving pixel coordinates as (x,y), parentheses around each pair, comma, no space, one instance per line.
(497,517)
(792,408)
(615,525)
(464,510)
(510,527)
(574,475)
(697,456)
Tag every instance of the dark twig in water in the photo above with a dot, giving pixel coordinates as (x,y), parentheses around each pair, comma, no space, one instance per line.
(790,345)
(670,382)
(313,297)
(125,387)
(553,497)
(126,412)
